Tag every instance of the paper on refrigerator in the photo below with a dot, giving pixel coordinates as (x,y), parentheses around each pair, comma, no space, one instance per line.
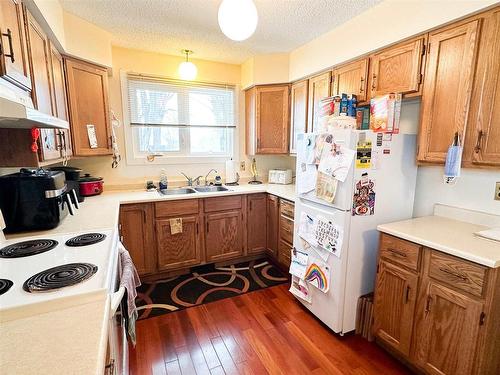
(318,274)
(307,229)
(298,264)
(336,160)
(306,178)
(329,235)
(299,288)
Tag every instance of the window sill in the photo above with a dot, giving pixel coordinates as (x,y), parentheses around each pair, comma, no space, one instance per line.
(169,160)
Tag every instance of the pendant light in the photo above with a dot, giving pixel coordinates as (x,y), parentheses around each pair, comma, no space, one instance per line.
(187,70)
(238,19)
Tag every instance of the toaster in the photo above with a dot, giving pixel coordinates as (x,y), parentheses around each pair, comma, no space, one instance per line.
(280,176)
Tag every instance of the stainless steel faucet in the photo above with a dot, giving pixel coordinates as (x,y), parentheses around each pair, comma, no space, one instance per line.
(191,180)
(206,176)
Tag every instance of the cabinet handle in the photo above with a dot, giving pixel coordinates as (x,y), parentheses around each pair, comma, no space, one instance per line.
(428,305)
(8,34)
(407,294)
(480,134)
(361,89)
(454,274)
(481,318)
(197,228)
(258,143)
(251,205)
(374,77)
(208,227)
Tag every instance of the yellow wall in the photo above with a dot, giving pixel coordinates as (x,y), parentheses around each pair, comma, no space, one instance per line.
(265,69)
(384,24)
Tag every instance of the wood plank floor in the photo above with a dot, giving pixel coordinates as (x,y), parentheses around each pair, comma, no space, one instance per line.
(263,332)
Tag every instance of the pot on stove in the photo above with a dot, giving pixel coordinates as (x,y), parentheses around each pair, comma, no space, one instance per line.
(90,185)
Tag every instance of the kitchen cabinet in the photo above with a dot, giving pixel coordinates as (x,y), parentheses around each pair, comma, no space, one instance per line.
(285,232)
(298,111)
(178,250)
(394,306)
(256,223)
(137,235)
(482,147)
(87,89)
(14,66)
(267,119)
(272,224)
(223,235)
(319,88)
(447,89)
(351,79)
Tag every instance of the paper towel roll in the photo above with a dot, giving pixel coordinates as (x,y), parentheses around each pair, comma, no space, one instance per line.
(231,169)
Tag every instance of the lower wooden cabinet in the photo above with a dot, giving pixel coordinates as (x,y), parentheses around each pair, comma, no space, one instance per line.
(180,249)
(395,305)
(273,214)
(256,223)
(223,235)
(137,235)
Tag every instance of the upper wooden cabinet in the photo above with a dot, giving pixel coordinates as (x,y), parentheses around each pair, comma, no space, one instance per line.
(483,127)
(267,119)
(298,112)
(256,223)
(397,69)
(319,88)
(447,89)
(14,65)
(87,88)
(351,79)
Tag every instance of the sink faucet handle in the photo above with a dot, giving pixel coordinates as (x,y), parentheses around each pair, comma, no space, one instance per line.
(197,180)
(189,179)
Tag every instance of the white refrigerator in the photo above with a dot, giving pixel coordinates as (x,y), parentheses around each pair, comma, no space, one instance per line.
(392,167)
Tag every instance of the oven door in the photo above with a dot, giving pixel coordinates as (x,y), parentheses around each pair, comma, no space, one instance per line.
(117,358)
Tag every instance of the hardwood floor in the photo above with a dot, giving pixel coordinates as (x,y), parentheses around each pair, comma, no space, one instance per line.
(263,332)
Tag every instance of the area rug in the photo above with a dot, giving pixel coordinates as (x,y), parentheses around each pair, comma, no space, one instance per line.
(206,284)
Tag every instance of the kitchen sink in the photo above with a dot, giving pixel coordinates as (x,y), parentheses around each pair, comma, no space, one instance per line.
(179,191)
(210,189)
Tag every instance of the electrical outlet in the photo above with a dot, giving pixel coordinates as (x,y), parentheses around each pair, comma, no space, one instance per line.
(497,191)
(242,166)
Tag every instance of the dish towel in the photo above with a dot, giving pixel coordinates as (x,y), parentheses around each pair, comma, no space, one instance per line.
(129,278)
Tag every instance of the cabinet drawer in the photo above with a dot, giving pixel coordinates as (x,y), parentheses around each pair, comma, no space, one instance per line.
(286,208)
(459,273)
(223,203)
(284,256)
(177,208)
(286,229)
(400,251)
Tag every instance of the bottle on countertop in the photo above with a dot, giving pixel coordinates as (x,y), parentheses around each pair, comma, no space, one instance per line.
(163,184)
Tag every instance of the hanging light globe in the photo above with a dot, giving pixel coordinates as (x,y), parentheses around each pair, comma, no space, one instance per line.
(238,19)
(187,70)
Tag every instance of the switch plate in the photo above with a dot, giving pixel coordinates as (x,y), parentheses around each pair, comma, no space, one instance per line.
(242,166)
(497,191)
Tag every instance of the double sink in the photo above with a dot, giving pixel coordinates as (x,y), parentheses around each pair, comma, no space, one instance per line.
(192,190)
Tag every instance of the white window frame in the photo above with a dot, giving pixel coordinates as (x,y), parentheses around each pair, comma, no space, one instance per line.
(172,157)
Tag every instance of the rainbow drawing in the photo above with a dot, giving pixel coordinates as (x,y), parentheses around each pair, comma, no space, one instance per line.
(317,277)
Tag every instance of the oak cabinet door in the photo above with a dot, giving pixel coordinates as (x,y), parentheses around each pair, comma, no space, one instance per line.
(273,214)
(180,249)
(256,223)
(223,235)
(447,333)
(272,119)
(298,112)
(484,120)
(136,234)
(87,87)
(447,89)
(395,298)
(319,88)
(14,66)
(351,79)
(397,69)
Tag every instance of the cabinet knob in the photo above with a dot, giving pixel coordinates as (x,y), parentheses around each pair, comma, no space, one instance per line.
(8,34)
(480,134)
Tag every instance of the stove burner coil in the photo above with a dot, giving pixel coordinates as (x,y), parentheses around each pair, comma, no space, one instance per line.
(85,239)
(27,248)
(5,285)
(59,277)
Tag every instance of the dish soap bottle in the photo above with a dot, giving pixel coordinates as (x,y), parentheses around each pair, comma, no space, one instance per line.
(163,184)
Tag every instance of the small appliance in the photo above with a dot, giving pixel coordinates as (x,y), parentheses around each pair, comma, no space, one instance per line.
(35,199)
(72,179)
(91,185)
(280,176)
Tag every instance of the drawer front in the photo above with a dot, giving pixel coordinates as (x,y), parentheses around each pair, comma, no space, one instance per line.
(284,253)
(176,208)
(459,273)
(286,229)
(287,208)
(223,203)
(399,251)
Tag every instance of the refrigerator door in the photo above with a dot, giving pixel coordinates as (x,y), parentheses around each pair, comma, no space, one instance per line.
(343,197)
(329,306)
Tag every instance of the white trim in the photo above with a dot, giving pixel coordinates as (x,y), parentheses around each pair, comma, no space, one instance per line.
(173,158)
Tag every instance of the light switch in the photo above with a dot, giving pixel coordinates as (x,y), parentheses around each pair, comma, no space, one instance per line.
(497,191)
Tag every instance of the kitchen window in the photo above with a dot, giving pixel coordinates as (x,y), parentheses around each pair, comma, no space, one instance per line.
(178,121)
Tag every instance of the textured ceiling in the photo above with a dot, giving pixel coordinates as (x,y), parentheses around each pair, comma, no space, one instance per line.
(168,26)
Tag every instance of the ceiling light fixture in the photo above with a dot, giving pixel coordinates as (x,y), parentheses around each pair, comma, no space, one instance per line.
(187,70)
(238,19)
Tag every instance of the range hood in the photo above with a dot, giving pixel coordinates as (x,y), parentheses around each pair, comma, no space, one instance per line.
(17,112)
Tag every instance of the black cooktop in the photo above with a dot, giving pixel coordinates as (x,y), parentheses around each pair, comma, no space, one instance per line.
(59,277)
(85,239)
(27,248)
(5,285)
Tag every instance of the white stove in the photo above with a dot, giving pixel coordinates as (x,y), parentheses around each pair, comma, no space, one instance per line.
(17,302)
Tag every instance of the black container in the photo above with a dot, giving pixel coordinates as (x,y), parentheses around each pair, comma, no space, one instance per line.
(72,176)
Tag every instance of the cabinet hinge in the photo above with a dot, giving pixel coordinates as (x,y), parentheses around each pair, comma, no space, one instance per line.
(482,317)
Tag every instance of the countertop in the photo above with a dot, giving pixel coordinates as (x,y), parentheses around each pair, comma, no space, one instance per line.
(450,236)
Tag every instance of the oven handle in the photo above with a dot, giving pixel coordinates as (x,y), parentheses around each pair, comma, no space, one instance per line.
(116,298)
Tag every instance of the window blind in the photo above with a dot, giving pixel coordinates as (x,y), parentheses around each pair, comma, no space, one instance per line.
(158,102)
